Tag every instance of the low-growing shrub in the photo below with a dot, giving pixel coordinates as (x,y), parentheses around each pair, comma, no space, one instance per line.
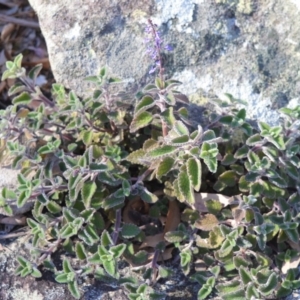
(112,180)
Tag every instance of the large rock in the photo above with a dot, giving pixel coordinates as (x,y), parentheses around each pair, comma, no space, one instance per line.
(248,48)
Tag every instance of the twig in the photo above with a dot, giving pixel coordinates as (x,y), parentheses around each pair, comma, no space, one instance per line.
(12,235)
(22,22)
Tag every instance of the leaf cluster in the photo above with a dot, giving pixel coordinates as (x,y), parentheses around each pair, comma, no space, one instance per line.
(103,174)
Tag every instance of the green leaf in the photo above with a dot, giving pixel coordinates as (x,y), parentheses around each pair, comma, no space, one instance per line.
(185,258)
(264,127)
(141,120)
(228,159)
(277,141)
(165,166)
(36,273)
(18,60)
(136,157)
(208,135)
(204,292)
(113,201)
(194,172)
(34,72)
(80,251)
(118,250)
(126,187)
(228,178)
(213,206)
(241,152)
(245,275)
(53,207)
(87,192)
(62,278)
(211,164)
(144,104)
(23,197)
(180,128)
(185,187)
(229,287)
(148,196)
(106,239)
(73,288)
(130,231)
(267,288)
(226,120)
(110,267)
(174,236)
(87,137)
(67,266)
(180,141)
(162,151)
(168,116)
(67,231)
(24,98)
(22,261)
(159,83)
(254,140)
(16,88)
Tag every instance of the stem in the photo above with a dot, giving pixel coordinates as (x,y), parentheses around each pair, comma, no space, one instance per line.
(141,178)
(117,226)
(157,46)
(41,97)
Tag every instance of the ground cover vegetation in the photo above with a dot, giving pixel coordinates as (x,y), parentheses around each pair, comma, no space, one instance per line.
(112,180)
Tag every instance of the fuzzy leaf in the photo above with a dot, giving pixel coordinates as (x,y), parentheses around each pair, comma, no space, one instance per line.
(80,251)
(113,201)
(110,267)
(73,288)
(180,141)
(53,207)
(162,151)
(269,286)
(245,275)
(174,236)
(168,116)
(254,140)
(180,128)
(241,152)
(87,137)
(23,197)
(213,206)
(62,278)
(136,157)
(106,239)
(194,172)
(185,188)
(207,222)
(87,192)
(67,266)
(211,164)
(24,98)
(148,196)
(141,120)
(144,104)
(228,178)
(228,287)
(185,258)
(204,292)
(130,231)
(118,250)
(164,167)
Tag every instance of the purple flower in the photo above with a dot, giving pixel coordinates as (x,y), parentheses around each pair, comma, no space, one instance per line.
(154,44)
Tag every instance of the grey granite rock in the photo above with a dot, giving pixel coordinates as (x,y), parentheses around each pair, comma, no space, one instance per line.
(248,48)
